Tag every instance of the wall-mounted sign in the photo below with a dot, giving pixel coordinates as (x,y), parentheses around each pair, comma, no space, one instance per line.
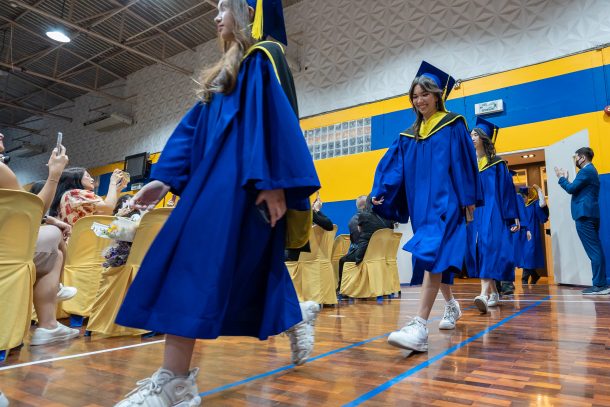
(493,106)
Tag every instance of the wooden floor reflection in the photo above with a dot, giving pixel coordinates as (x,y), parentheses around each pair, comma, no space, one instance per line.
(544,346)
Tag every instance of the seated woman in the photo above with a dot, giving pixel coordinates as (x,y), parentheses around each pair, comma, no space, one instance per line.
(64,293)
(75,197)
(48,257)
(368,223)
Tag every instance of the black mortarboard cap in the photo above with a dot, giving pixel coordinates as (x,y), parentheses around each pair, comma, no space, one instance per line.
(268,20)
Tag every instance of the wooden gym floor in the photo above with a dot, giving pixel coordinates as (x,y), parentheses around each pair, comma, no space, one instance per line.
(545,346)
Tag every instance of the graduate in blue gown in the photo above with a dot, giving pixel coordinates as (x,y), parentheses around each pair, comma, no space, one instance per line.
(533,213)
(239,161)
(429,176)
(493,223)
(521,236)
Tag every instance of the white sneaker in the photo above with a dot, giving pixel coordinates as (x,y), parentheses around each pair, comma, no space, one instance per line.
(3,400)
(164,389)
(494,300)
(452,314)
(65,293)
(413,336)
(481,303)
(43,336)
(302,335)
(310,311)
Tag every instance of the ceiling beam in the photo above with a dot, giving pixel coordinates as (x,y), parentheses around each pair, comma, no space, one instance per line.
(139,41)
(22,15)
(17,127)
(153,27)
(35,111)
(61,81)
(42,54)
(108,14)
(101,37)
(42,88)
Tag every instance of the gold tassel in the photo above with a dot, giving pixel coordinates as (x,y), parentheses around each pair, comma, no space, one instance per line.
(257,26)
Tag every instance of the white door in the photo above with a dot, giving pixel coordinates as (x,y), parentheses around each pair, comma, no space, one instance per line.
(403,257)
(570,262)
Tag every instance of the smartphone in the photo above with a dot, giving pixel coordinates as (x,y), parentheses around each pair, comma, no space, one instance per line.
(263,210)
(60,137)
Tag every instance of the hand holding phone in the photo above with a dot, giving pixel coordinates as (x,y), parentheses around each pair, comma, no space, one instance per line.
(60,137)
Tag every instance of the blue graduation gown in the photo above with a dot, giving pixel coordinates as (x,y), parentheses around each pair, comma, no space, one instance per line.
(216,268)
(532,251)
(494,250)
(430,181)
(520,237)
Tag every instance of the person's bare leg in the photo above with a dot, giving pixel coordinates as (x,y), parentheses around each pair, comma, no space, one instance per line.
(63,248)
(432,282)
(485,287)
(178,354)
(446,291)
(45,295)
(492,287)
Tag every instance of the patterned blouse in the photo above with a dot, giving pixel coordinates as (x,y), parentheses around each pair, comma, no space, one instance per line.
(78,203)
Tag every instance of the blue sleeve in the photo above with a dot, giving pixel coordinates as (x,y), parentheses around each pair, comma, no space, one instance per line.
(542,214)
(278,157)
(174,165)
(581,181)
(521,211)
(389,183)
(464,167)
(506,188)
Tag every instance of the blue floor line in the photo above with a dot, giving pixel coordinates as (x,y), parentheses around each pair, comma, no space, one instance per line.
(287,367)
(425,364)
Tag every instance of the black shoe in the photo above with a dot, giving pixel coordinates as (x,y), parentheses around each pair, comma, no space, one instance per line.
(595,290)
(524,282)
(535,278)
(507,289)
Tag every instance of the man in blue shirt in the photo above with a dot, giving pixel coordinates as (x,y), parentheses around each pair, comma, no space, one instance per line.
(585,211)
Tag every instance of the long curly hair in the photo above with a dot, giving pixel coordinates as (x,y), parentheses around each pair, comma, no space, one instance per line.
(222,76)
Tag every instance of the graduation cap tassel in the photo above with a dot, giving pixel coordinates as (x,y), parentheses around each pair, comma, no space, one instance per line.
(257,26)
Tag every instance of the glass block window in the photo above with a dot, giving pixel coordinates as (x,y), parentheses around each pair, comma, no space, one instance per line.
(345,138)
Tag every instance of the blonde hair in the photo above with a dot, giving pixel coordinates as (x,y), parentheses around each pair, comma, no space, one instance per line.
(222,76)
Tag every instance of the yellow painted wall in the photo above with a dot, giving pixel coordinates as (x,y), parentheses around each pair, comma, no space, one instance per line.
(344,178)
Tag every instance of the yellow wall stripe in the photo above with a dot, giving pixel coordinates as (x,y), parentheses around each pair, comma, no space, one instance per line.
(518,76)
(345,178)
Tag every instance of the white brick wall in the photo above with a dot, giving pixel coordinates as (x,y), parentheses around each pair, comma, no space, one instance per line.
(354,51)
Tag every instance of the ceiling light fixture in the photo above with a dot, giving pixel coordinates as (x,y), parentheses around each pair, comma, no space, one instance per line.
(59,34)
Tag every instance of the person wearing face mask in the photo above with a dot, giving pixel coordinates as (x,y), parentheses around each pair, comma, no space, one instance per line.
(585,212)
